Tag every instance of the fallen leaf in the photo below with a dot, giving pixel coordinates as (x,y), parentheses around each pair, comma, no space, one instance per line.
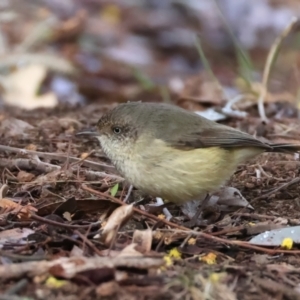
(114,190)
(25,176)
(116,220)
(23,212)
(11,127)
(15,235)
(21,86)
(107,289)
(84,155)
(143,238)
(130,250)
(67,216)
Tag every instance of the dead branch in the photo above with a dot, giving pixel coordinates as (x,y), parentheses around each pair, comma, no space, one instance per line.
(59,157)
(69,267)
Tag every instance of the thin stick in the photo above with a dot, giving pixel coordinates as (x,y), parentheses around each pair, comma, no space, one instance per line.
(59,157)
(285,185)
(58,224)
(88,242)
(43,167)
(135,209)
(128,193)
(237,243)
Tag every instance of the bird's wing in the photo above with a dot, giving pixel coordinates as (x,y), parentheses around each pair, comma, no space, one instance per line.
(219,136)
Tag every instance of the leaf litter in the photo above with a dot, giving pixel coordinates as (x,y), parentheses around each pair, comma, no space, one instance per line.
(65,227)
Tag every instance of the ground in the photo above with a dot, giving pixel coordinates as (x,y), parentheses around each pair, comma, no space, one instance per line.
(200,269)
(70,226)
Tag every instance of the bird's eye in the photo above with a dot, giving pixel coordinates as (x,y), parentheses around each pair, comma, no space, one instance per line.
(117,130)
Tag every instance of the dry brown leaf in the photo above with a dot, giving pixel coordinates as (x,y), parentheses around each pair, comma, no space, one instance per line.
(12,127)
(23,212)
(84,155)
(25,176)
(107,289)
(116,220)
(15,235)
(130,250)
(143,238)
(67,216)
(31,147)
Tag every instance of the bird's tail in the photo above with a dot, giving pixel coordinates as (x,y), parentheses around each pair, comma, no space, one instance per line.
(284,148)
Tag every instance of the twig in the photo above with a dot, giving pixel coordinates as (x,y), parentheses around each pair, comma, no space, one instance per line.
(28,164)
(83,159)
(88,242)
(135,209)
(228,111)
(93,175)
(20,257)
(185,240)
(285,185)
(166,212)
(267,175)
(14,297)
(128,193)
(249,230)
(254,216)
(71,266)
(58,224)
(59,157)
(237,243)
(269,63)
(43,167)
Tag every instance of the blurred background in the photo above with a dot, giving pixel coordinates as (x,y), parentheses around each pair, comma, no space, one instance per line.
(198,54)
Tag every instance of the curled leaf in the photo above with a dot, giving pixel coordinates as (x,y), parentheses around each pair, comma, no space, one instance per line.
(116,220)
(143,238)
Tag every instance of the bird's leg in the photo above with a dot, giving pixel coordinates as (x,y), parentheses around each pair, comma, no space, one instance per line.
(194,219)
(161,208)
(166,212)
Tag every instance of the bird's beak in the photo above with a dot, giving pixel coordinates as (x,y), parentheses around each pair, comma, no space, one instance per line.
(90,133)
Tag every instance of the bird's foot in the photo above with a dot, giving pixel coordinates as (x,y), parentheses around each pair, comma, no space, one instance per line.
(197,219)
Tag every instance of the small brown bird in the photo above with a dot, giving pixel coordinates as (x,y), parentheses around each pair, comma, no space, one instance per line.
(178,155)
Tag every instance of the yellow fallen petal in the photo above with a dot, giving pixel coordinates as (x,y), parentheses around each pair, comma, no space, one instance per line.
(287,243)
(52,282)
(174,253)
(209,258)
(168,260)
(161,216)
(84,155)
(191,241)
